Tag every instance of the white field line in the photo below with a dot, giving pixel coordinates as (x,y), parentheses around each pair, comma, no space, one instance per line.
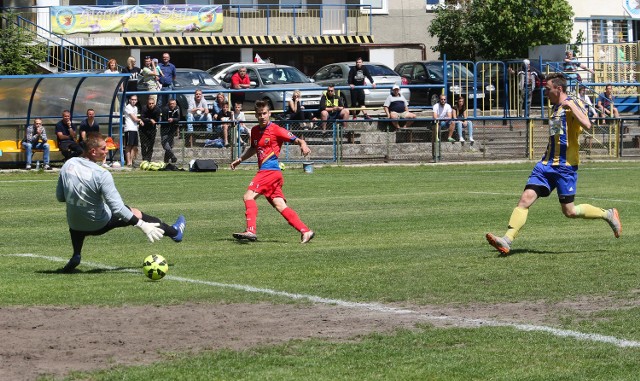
(377,307)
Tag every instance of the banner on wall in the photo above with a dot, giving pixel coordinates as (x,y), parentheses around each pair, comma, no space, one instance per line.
(136,18)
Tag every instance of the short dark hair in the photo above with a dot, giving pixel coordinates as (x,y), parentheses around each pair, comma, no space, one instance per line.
(93,140)
(260,104)
(558,79)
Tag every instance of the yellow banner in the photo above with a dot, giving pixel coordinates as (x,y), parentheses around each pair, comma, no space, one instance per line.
(137,18)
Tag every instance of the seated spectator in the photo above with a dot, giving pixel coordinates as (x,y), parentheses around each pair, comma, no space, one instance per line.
(442,113)
(240,119)
(396,106)
(89,125)
(225,115)
(606,103)
(460,115)
(198,110)
(36,138)
(216,107)
(295,109)
(332,107)
(66,134)
(171,117)
(582,95)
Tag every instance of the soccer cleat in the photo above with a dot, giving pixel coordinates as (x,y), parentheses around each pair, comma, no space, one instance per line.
(614,222)
(499,243)
(307,236)
(180,224)
(72,264)
(245,236)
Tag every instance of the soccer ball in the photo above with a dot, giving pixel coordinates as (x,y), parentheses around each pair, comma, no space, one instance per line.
(115,164)
(155,267)
(282,167)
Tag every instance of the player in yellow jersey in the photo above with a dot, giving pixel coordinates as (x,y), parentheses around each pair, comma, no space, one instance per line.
(558,168)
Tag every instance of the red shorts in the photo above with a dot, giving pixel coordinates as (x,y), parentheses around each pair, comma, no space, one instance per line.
(268,184)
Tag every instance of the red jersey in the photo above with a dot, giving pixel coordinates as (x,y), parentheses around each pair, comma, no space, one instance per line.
(237,80)
(267,143)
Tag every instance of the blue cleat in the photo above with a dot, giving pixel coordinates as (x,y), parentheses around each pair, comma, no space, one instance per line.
(180,224)
(72,264)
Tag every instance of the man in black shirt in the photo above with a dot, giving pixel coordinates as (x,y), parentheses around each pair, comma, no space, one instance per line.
(357,76)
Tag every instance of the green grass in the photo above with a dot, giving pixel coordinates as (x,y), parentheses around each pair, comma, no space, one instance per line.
(404,235)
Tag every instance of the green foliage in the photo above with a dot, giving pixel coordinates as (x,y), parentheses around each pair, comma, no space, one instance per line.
(19,52)
(500,29)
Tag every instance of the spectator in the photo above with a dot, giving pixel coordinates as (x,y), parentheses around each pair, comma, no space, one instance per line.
(167,78)
(357,76)
(66,134)
(102,208)
(526,85)
(460,113)
(150,77)
(331,108)
(199,111)
(582,95)
(240,119)
(295,109)
(396,106)
(131,124)
(150,116)
(266,141)
(225,116)
(216,107)
(112,67)
(134,73)
(606,103)
(36,138)
(570,68)
(88,125)
(442,113)
(171,117)
(240,80)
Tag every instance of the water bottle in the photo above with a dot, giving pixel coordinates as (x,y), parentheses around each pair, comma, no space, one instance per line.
(38,165)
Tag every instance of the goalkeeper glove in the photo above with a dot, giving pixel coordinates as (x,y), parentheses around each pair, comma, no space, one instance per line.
(153,232)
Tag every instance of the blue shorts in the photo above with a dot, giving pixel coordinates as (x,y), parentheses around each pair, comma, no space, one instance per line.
(563,177)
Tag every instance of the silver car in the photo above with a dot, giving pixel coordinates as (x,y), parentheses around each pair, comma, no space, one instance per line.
(338,75)
(276,83)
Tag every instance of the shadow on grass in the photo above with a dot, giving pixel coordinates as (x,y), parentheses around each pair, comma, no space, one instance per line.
(91,271)
(542,252)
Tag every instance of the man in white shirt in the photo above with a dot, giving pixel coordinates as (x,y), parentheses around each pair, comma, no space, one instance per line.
(442,113)
(396,106)
(131,123)
(94,205)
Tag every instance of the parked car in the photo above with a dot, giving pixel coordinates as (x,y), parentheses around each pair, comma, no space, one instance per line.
(270,79)
(189,79)
(459,79)
(338,75)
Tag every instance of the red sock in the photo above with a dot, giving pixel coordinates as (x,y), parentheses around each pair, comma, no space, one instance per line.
(251,212)
(292,218)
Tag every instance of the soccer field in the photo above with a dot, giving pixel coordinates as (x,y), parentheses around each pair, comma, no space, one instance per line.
(398,284)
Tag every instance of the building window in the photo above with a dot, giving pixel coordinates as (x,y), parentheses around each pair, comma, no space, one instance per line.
(609,31)
(286,5)
(433,4)
(378,7)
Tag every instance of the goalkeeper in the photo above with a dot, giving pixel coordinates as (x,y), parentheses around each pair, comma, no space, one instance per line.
(94,205)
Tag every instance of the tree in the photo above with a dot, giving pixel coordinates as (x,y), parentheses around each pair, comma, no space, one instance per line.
(19,52)
(500,29)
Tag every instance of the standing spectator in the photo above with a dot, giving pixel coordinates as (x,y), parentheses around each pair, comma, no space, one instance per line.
(266,141)
(101,208)
(150,77)
(131,124)
(36,138)
(557,169)
(331,107)
(167,78)
(66,134)
(570,68)
(89,124)
(396,106)
(171,117)
(526,85)
(198,110)
(240,80)
(443,114)
(112,67)
(606,103)
(225,117)
(240,119)
(357,76)
(134,74)
(460,113)
(295,109)
(150,116)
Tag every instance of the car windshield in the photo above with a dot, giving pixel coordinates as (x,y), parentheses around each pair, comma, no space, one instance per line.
(279,75)
(194,79)
(457,71)
(378,70)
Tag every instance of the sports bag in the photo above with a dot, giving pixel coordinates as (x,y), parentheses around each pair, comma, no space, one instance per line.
(203,165)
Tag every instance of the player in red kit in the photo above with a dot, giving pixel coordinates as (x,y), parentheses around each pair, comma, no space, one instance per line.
(266,141)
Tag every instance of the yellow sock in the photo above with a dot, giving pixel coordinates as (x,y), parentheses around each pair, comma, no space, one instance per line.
(590,212)
(516,222)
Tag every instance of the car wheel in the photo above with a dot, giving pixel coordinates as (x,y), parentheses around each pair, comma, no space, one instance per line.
(435,98)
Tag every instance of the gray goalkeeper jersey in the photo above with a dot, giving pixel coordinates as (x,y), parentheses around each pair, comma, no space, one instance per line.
(90,194)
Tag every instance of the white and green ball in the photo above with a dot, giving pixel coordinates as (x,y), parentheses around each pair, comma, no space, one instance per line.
(282,167)
(155,267)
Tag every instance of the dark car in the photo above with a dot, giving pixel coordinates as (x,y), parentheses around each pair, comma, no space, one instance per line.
(459,79)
